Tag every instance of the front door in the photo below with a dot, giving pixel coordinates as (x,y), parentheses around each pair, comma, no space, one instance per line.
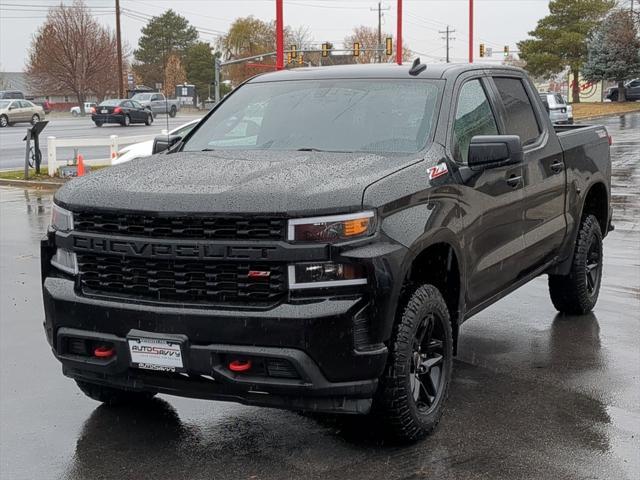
(491,201)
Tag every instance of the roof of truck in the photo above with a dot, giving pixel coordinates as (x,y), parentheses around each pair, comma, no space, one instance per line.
(377,70)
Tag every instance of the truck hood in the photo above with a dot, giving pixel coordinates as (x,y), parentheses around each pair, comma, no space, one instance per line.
(233,182)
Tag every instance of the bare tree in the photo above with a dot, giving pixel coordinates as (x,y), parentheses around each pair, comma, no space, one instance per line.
(71,52)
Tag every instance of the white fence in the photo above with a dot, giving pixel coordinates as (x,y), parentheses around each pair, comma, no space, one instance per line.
(114,142)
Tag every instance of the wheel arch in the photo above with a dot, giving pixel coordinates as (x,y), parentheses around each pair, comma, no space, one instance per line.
(438,261)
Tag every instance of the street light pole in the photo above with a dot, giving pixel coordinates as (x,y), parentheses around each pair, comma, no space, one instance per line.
(119,52)
(279,36)
(399,34)
(470,31)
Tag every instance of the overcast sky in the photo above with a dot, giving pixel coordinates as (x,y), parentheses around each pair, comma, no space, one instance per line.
(497,22)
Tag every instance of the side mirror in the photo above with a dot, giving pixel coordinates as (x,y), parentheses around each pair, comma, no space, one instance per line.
(164,142)
(489,151)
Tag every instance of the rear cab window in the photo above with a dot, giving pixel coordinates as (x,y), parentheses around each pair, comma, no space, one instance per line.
(520,118)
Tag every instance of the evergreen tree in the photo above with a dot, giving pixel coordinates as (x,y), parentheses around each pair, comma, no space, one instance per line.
(614,51)
(560,39)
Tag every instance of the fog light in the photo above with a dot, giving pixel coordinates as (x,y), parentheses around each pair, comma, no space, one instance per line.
(66,261)
(318,275)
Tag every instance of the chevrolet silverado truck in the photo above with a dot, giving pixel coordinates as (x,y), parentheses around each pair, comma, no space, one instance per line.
(316,242)
(157,103)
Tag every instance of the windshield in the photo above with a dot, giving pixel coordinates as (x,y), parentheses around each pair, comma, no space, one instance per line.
(141,96)
(4,103)
(381,116)
(110,103)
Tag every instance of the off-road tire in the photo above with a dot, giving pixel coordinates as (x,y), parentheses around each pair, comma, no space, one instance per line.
(113,396)
(572,294)
(4,121)
(394,403)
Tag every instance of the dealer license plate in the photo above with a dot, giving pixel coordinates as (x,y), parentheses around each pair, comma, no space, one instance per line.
(104,110)
(156,354)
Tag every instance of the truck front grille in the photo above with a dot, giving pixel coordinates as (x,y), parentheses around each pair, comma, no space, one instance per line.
(188,281)
(219,228)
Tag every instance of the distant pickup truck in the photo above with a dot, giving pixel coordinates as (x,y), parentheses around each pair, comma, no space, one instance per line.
(318,239)
(158,103)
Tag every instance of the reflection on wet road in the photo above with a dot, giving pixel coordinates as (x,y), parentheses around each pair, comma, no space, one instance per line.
(535,395)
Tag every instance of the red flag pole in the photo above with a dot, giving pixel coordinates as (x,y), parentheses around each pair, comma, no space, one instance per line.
(470,31)
(279,36)
(399,34)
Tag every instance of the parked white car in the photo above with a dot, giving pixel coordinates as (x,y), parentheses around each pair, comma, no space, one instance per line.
(569,110)
(145,149)
(75,111)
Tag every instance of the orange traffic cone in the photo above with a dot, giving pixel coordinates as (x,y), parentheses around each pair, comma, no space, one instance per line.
(80,165)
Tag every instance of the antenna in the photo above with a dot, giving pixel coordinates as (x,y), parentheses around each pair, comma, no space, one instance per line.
(417,68)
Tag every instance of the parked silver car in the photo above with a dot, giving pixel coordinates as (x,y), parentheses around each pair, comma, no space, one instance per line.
(17,111)
(556,106)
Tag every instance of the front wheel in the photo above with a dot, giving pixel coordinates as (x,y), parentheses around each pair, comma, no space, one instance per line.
(113,396)
(577,292)
(75,114)
(4,121)
(127,121)
(414,388)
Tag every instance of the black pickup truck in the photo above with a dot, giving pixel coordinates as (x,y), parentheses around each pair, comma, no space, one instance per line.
(317,240)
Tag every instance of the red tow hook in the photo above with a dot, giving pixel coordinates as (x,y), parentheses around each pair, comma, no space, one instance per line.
(240,365)
(104,352)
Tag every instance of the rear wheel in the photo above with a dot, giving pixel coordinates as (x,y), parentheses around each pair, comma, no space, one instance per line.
(113,396)
(149,119)
(4,121)
(415,385)
(127,121)
(577,292)
(614,97)
(173,111)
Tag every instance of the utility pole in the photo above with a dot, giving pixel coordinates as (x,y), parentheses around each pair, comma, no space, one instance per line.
(447,37)
(380,9)
(470,31)
(119,42)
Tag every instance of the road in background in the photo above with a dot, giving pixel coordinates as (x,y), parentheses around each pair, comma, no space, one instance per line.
(534,395)
(12,147)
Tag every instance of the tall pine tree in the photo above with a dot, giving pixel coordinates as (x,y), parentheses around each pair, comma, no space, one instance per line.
(560,39)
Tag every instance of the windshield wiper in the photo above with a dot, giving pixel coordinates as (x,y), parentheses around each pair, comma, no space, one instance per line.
(313,149)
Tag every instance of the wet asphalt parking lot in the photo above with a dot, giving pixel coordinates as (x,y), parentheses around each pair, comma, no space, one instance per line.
(534,395)
(67,127)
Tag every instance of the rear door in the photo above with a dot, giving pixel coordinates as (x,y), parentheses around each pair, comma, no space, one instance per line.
(491,198)
(544,175)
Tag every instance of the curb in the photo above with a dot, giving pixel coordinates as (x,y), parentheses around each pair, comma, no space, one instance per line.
(606,115)
(39,185)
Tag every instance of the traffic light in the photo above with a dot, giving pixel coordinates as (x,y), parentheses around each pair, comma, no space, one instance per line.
(506,50)
(482,50)
(300,59)
(356,49)
(325,49)
(294,51)
(289,59)
(389,46)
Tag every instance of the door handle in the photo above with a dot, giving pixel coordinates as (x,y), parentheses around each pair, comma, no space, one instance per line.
(514,180)
(557,166)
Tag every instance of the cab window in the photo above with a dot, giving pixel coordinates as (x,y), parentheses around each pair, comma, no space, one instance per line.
(473,117)
(520,118)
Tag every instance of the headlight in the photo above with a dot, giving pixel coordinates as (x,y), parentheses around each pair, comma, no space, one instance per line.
(333,228)
(326,274)
(61,219)
(66,261)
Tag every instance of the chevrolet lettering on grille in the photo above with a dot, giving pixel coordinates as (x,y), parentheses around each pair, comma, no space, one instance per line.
(146,249)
